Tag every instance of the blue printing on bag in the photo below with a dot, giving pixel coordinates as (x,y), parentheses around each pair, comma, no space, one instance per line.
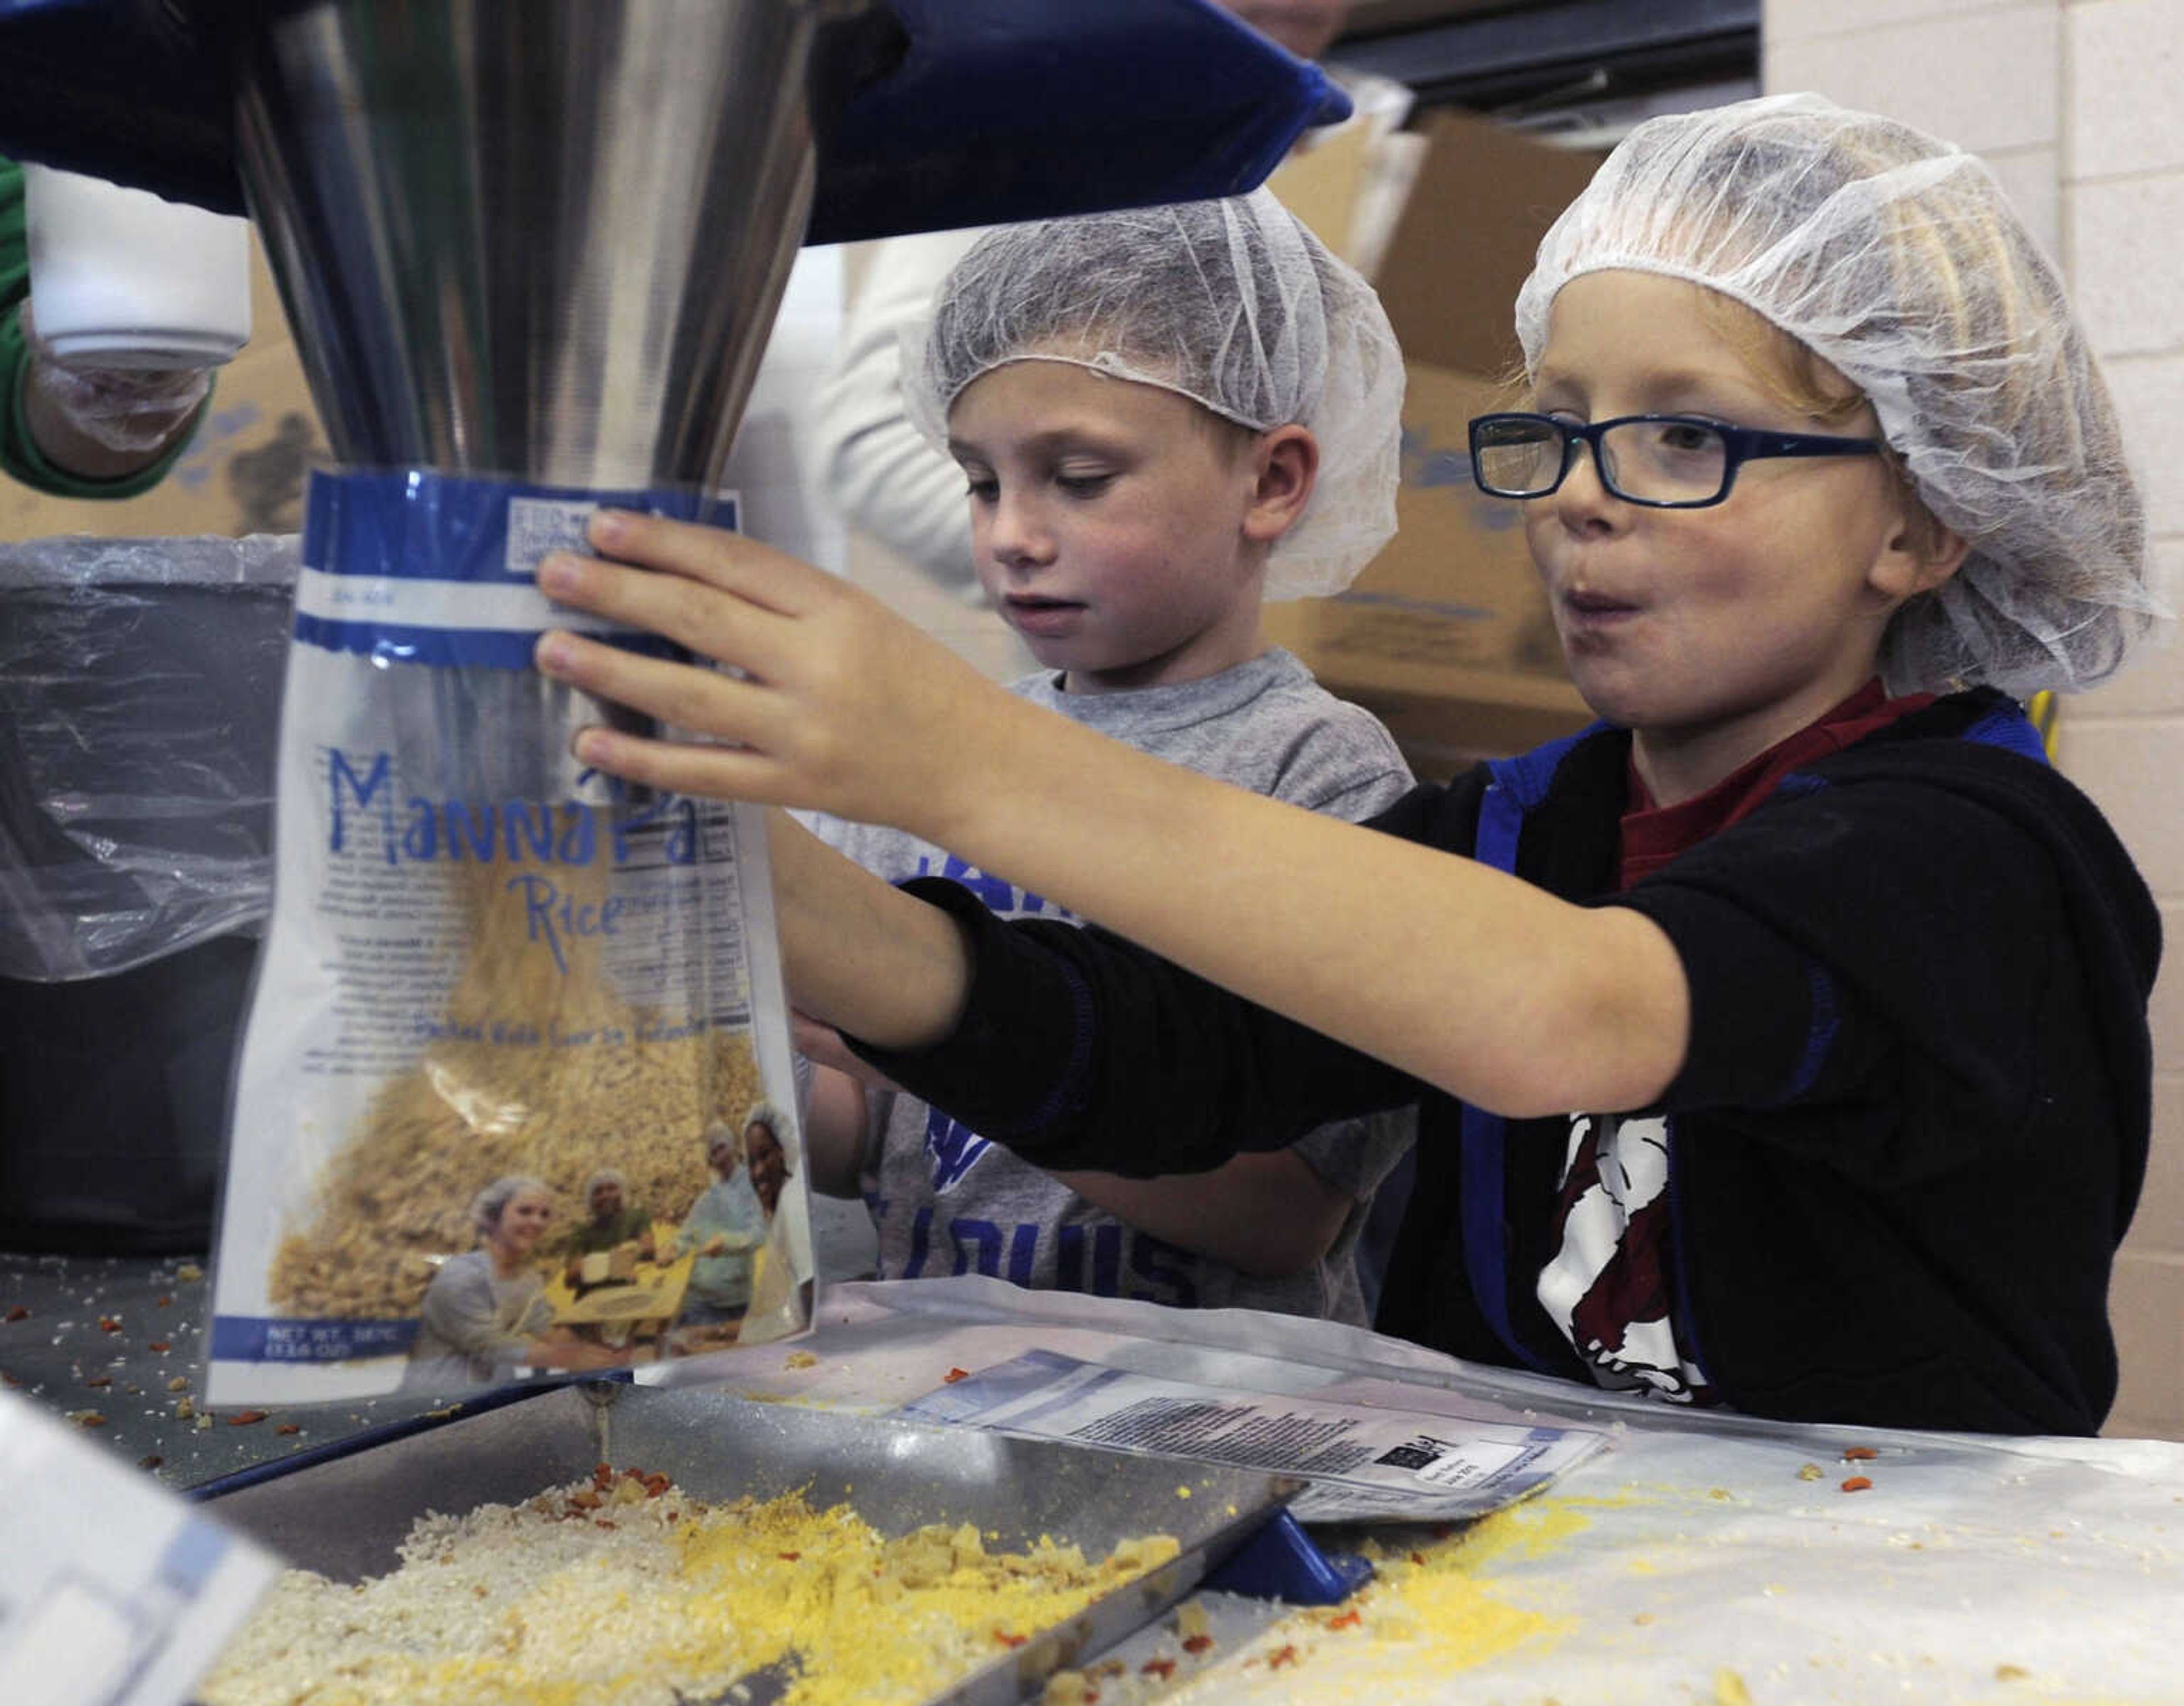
(494,647)
(422,527)
(419,525)
(291,1339)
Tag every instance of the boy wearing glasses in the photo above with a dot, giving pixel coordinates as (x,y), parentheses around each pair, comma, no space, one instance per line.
(1779,1043)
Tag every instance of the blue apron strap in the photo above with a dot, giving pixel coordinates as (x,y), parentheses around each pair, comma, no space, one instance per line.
(1483,1174)
(1486,1240)
(2009,728)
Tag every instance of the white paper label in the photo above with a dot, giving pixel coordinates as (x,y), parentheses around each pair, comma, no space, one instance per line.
(127,1593)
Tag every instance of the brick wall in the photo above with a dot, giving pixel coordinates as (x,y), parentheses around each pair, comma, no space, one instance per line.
(2080,106)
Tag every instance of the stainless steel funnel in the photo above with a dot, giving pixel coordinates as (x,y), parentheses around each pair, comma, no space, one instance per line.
(543,239)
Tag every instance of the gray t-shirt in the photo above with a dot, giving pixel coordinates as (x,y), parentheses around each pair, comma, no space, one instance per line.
(944,1200)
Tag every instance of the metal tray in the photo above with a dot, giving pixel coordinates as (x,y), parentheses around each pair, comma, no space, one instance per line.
(345,1516)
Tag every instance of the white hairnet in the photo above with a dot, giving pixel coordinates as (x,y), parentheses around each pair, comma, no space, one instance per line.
(1896,258)
(1233,304)
(489,1204)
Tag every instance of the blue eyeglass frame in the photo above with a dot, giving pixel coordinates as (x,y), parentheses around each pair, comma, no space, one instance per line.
(1740,445)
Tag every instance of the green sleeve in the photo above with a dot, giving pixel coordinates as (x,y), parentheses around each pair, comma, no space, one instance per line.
(20,457)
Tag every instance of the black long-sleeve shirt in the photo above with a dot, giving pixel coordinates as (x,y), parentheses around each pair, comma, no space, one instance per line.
(1907,1139)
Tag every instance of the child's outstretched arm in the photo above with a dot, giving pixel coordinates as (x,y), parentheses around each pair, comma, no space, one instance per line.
(1460,975)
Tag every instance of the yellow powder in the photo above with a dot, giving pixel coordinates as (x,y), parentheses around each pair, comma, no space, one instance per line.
(1441,1597)
(585,1595)
(1432,1610)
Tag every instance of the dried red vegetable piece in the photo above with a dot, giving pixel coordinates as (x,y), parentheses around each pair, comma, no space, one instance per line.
(954,1375)
(1857,1483)
(287,1428)
(790,1557)
(1348,1619)
(1197,1643)
(88,1418)
(1009,1640)
(243,1419)
(159,1345)
(1162,1668)
(1285,1653)
(109,1324)
(1859,1455)
(165,1301)
(18,1314)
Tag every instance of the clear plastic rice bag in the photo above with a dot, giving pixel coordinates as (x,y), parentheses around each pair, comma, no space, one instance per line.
(516,1096)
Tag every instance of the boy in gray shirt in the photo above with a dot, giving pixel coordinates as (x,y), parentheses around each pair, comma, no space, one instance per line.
(1164,415)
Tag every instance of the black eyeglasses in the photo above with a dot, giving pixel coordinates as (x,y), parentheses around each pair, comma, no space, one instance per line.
(1664,461)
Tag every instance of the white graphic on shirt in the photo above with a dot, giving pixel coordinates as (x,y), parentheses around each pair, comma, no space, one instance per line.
(1607,1288)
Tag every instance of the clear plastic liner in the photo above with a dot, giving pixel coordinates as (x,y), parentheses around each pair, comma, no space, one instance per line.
(140,693)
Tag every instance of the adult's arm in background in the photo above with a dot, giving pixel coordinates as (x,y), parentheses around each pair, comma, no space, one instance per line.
(877,467)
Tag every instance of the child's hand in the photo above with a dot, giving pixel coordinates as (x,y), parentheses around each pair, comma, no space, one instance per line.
(842,707)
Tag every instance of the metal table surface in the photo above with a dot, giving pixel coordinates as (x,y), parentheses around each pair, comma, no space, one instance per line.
(108,1337)
(61,1344)
(1702,1548)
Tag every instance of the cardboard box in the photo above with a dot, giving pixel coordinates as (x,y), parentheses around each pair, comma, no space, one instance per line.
(1446,635)
(1321,181)
(1483,199)
(243,472)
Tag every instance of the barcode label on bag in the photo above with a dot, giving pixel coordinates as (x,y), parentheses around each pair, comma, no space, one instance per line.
(536,526)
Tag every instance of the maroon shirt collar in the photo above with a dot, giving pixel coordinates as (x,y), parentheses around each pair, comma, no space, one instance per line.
(1653,834)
